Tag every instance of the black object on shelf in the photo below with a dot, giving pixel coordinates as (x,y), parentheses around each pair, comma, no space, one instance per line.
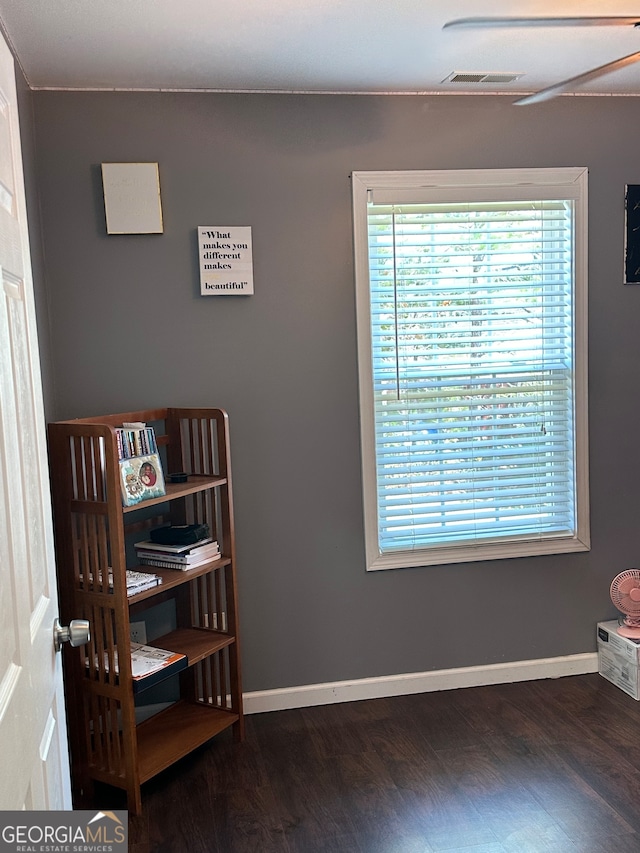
(179,534)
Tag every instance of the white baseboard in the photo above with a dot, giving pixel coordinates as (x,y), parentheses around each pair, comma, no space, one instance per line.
(417,682)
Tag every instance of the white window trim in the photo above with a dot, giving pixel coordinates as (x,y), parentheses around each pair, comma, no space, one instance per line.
(417,186)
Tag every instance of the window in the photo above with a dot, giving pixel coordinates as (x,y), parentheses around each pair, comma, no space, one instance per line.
(471,304)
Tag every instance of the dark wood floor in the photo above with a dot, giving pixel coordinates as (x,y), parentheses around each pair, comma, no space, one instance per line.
(549,766)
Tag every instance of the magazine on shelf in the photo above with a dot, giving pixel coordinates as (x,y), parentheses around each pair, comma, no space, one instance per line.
(149,665)
(136,581)
(141,478)
(139,581)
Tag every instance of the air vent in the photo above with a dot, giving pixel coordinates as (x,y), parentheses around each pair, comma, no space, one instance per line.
(482,77)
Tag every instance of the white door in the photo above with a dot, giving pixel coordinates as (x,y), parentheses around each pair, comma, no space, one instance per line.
(33,734)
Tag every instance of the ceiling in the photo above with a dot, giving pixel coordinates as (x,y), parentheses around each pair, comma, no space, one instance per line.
(361,46)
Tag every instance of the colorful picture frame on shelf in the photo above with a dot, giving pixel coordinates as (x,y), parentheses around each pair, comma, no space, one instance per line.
(141,478)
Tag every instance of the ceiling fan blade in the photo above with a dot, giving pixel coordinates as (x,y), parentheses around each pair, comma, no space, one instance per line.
(578,80)
(595,21)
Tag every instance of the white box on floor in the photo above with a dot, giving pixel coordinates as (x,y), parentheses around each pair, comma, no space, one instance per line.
(623,646)
(618,658)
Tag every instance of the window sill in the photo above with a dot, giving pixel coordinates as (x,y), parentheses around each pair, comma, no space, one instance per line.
(475,553)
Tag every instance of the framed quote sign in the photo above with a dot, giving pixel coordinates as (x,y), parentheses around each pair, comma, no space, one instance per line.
(226,260)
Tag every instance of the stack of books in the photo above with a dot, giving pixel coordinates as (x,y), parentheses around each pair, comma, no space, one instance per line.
(135,439)
(181,557)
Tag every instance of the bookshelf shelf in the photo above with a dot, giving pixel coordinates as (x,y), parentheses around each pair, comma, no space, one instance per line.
(196,643)
(172,578)
(196,483)
(94,534)
(166,737)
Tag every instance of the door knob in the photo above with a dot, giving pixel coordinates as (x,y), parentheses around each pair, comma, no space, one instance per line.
(77,633)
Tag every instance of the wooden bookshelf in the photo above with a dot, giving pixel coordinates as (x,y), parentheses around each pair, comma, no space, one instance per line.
(94,532)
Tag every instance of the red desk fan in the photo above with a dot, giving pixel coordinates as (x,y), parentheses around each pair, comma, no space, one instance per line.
(625,594)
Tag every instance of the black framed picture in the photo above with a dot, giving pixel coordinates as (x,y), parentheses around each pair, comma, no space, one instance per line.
(632,234)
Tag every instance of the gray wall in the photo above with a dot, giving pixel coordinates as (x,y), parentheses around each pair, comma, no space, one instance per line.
(129,330)
(25,109)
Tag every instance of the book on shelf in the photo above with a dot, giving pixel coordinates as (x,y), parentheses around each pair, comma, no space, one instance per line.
(149,665)
(139,581)
(141,478)
(179,559)
(167,563)
(136,439)
(183,553)
(151,545)
(136,581)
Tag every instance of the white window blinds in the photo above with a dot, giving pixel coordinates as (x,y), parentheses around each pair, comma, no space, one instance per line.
(472,354)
